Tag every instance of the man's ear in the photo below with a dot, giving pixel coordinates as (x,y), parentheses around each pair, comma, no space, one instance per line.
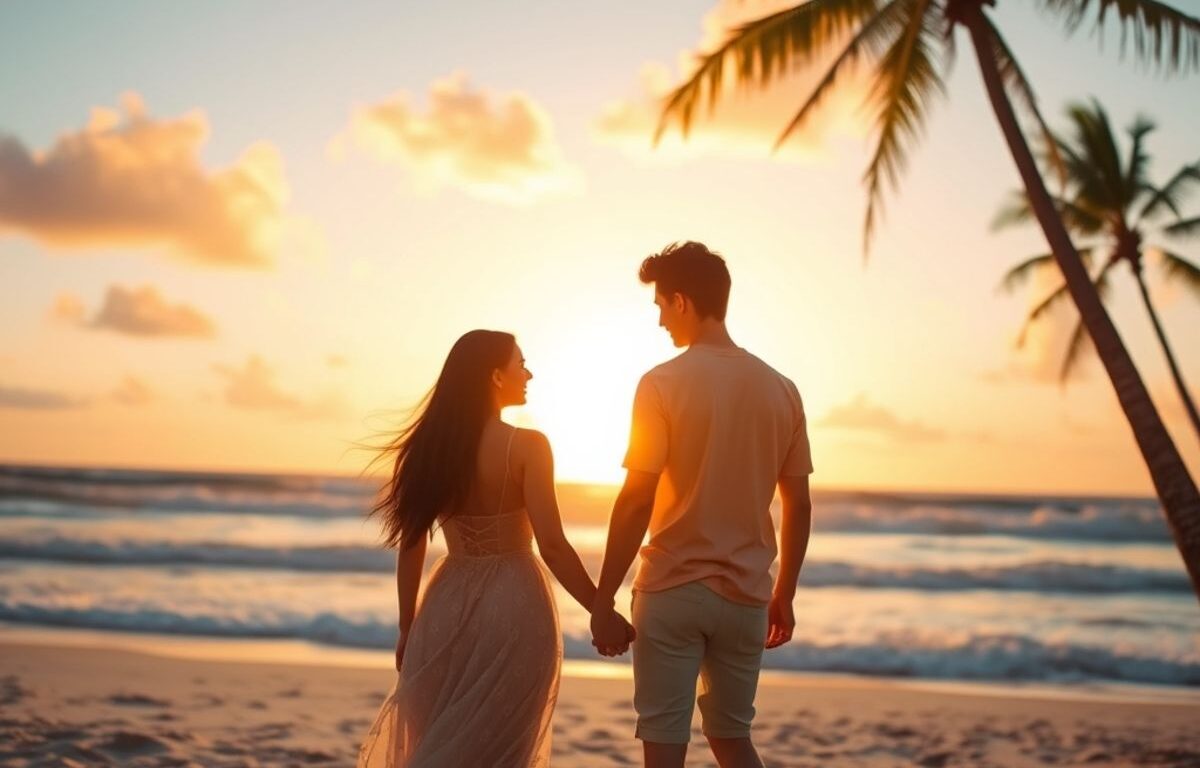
(679,302)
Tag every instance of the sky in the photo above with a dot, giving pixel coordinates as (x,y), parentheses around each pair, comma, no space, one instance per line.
(244,237)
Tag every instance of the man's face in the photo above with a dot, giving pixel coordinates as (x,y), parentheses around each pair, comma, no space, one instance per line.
(672,315)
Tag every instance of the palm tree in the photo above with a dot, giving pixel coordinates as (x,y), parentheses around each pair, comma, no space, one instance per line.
(907,47)
(1107,206)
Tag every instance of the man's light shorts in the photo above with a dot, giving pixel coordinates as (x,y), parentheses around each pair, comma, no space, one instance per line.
(689,631)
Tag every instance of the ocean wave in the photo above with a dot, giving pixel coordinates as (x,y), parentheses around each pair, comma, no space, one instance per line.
(987,657)
(997,657)
(1111,521)
(1040,576)
(25,490)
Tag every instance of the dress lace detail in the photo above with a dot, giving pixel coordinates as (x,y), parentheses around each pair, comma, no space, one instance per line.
(481,668)
(488,535)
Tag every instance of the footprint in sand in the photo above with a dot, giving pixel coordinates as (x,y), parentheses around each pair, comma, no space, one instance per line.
(136,700)
(11,691)
(272,731)
(131,743)
(208,699)
(353,725)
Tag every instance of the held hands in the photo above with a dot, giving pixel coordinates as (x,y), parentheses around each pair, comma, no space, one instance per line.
(611,633)
(781,622)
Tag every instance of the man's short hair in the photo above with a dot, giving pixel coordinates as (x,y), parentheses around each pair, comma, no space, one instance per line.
(692,270)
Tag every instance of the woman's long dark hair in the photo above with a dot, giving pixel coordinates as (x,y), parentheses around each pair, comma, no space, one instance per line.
(435,455)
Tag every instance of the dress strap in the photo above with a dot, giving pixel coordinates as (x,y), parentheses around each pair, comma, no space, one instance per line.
(504,485)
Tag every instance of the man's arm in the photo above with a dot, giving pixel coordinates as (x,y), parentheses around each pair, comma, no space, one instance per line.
(793,544)
(626,529)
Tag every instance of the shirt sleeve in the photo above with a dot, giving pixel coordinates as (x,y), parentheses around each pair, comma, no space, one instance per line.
(798,460)
(648,434)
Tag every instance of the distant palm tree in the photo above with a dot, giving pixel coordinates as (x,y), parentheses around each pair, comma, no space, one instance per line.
(907,46)
(1107,205)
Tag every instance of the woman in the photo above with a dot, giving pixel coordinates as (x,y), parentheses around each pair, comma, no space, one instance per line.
(479,659)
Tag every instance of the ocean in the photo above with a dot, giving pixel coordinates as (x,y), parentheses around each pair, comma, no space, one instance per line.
(928,586)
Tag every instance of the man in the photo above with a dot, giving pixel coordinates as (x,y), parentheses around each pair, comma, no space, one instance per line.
(714,431)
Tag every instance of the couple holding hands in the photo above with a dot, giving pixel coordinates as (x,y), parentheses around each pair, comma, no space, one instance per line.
(715,431)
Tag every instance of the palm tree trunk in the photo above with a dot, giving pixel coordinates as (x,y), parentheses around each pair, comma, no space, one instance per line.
(1176,490)
(1162,339)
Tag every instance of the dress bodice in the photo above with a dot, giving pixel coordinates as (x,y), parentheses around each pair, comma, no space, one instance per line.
(488,535)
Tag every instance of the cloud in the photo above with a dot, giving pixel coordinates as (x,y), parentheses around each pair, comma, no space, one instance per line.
(860,415)
(337,361)
(68,308)
(746,124)
(494,147)
(132,391)
(128,179)
(37,399)
(252,387)
(137,312)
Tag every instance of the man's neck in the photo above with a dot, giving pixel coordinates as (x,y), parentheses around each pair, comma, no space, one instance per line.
(714,334)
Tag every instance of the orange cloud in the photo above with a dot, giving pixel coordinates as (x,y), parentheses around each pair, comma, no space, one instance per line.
(495,147)
(137,312)
(253,387)
(860,415)
(745,124)
(37,399)
(127,179)
(133,391)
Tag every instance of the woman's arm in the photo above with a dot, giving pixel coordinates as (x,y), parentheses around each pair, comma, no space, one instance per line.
(409,565)
(560,557)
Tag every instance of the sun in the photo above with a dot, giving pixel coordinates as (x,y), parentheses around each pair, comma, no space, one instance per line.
(581,396)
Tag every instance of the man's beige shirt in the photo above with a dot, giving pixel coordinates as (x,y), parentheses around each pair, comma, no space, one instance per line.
(721,426)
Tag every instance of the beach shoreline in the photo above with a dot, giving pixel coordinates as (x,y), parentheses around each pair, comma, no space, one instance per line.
(93,699)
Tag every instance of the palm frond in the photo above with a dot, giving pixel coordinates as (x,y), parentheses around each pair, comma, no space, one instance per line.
(1139,160)
(762,50)
(1018,275)
(1078,219)
(1052,300)
(1183,229)
(1081,171)
(1016,211)
(1079,341)
(1097,144)
(1172,193)
(1022,94)
(1162,36)
(870,41)
(1176,267)
(907,77)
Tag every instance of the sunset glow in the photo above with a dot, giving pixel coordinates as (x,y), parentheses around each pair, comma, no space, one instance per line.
(253,265)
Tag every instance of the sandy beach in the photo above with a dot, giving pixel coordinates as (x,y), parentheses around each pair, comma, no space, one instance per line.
(80,703)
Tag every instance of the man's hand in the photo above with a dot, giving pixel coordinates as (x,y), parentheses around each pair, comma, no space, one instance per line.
(611,633)
(781,621)
(401,641)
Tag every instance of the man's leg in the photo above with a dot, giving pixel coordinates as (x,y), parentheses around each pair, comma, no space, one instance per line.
(735,753)
(658,755)
(729,673)
(666,662)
